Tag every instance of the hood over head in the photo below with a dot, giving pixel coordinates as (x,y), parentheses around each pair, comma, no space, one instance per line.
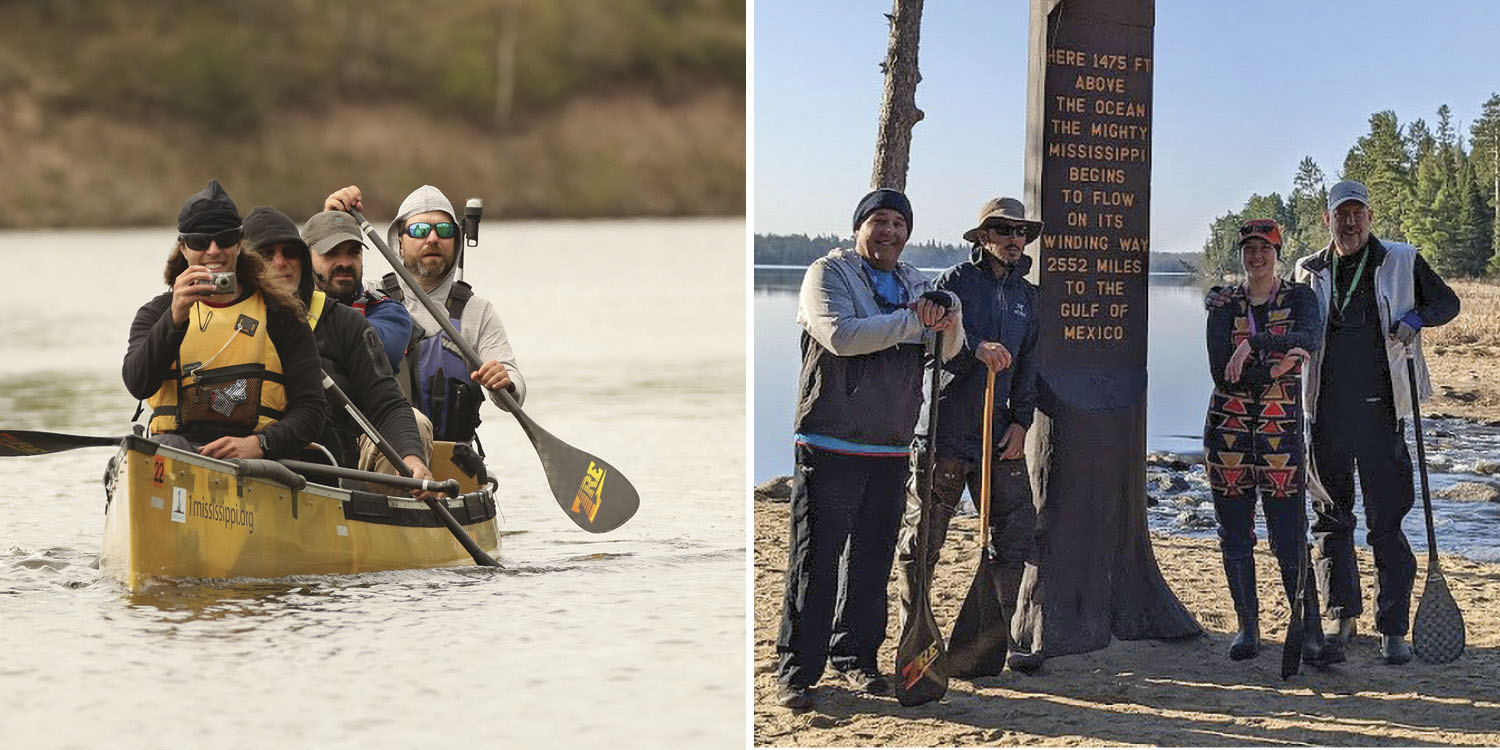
(265,226)
(424,199)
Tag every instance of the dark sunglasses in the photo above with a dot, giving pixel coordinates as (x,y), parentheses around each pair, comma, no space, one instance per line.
(418,230)
(1250,229)
(198,241)
(1008,230)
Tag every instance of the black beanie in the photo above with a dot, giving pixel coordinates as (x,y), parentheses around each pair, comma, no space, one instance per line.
(882,198)
(209,211)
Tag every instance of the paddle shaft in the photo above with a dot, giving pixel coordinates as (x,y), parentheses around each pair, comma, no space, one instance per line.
(986,463)
(438,508)
(448,486)
(1416,423)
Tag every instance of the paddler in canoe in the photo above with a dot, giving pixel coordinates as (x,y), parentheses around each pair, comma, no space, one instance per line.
(349,349)
(224,360)
(435,378)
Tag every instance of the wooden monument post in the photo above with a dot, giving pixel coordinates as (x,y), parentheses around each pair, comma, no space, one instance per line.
(1088,167)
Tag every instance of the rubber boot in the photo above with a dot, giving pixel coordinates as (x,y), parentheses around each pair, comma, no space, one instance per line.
(1240,574)
(1317,650)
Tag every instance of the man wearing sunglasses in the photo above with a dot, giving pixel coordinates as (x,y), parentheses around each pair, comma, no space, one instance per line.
(339,271)
(434,377)
(1377,296)
(349,349)
(865,326)
(1000,328)
(229,371)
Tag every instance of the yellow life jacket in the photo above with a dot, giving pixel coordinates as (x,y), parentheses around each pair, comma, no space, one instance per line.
(232,376)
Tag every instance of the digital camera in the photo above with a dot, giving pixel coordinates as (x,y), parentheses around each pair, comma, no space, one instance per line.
(224,283)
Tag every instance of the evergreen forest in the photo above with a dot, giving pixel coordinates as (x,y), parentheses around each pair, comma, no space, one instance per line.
(1429,186)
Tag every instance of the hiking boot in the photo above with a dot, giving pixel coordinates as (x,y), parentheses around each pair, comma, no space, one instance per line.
(1347,628)
(1394,649)
(795,697)
(865,680)
(1024,662)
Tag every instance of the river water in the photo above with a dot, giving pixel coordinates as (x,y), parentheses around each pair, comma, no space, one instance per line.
(635,638)
(1178,388)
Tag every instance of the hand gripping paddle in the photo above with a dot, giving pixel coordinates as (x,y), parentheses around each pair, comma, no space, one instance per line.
(921,675)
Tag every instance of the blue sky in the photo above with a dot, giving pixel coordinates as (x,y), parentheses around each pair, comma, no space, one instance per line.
(1242,92)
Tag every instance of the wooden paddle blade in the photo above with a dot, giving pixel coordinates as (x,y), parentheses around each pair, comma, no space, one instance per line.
(977,646)
(921,672)
(33,443)
(591,492)
(1437,630)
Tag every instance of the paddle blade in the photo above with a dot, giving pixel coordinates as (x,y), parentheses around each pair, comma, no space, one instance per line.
(1291,649)
(591,492)
(921,675)
(1296,626)
(1437,630)
(977,646)
(32,443)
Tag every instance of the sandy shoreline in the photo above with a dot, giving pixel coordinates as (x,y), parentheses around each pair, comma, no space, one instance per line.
(1154,692)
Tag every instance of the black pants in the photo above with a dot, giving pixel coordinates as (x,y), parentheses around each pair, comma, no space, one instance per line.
(1366,435)
(1012,525)
(845,513)
(1286,525)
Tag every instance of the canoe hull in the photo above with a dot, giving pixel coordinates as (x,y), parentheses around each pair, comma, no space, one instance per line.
(180,515)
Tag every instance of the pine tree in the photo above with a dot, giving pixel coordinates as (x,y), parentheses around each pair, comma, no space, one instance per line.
(1432,215)
(1382,162)
(1484,135)
(1472,235)
(1308,201)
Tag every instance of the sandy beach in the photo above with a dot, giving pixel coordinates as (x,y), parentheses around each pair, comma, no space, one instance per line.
(1154,692)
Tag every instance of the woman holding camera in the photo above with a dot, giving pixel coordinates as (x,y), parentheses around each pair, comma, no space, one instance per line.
(1253,436)
(224,359)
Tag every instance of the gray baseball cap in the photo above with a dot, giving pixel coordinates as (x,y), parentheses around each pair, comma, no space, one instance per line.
(329,229)
(1346,191)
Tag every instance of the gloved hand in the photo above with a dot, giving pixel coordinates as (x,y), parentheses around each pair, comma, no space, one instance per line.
(1405,329)
(1216,297)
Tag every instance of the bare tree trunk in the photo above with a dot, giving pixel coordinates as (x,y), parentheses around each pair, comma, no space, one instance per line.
(505,64)
(898,111)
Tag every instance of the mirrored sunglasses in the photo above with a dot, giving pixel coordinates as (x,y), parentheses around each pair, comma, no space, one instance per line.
(419,230)
(199,241)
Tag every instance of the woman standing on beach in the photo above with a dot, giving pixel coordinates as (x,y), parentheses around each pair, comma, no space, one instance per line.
(1253,436)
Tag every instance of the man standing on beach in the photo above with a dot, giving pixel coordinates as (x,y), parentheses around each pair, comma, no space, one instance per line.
(865,326)
(1377,296)
(1000,328)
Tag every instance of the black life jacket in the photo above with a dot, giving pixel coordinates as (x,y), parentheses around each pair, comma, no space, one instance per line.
(437,376)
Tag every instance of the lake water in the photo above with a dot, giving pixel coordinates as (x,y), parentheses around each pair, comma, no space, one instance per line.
(635,638)
(1178,388)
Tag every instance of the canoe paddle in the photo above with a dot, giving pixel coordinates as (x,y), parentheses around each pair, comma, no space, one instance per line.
(1296,625)
(920,671)
(977,646)
(1437,630)
(386,449)
(591,492)
(34,443)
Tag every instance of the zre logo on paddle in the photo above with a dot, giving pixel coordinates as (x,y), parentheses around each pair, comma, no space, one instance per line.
(918,666)
(590,492)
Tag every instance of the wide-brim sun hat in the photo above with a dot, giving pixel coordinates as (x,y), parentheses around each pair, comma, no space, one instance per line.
(1004,209)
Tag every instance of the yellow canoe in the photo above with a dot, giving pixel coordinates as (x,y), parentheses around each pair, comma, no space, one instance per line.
(175,514)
